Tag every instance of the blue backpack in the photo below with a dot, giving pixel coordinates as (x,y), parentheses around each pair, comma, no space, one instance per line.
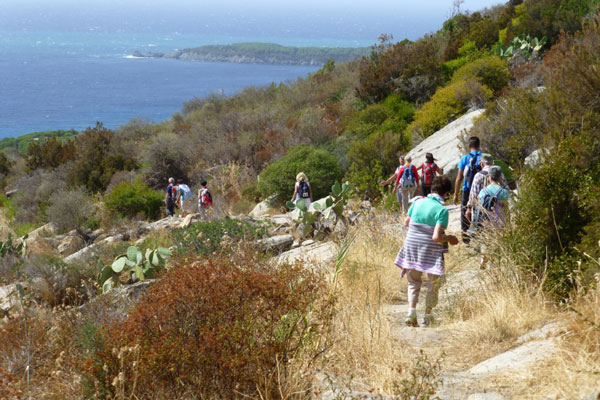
(488,205)
(474,168)
(408,177)
(303,190)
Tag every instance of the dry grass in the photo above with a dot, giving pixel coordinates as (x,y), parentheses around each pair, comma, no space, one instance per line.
(577,372)
(363,347)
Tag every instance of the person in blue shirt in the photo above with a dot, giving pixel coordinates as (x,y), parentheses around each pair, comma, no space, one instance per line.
(468,166)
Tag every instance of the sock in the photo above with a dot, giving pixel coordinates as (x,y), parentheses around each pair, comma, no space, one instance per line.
(412,312)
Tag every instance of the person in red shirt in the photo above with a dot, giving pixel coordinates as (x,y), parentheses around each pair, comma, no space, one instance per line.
(407,181)
(428,170)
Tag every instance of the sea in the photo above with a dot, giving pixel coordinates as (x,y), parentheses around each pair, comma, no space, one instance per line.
(71,80)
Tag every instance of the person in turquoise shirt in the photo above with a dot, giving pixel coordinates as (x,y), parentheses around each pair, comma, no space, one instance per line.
(422,254)
(497,215)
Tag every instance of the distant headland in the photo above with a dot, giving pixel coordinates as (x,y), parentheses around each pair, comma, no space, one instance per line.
(264,53)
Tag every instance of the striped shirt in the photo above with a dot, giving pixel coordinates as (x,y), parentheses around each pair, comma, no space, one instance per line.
(419,251)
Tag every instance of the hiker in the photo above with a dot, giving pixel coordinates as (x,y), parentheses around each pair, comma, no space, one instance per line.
(407,181)
(205,200)
(428,170)
(492,200)
(184,196)
(490,209)
(302,190)
(393,179)
(422,255)
(468,167)
(480,181)
(171,197)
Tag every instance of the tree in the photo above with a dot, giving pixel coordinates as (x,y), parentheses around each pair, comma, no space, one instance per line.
(94,164)
(319,165)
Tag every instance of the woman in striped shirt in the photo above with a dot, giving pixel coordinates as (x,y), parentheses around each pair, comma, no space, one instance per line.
(422,255)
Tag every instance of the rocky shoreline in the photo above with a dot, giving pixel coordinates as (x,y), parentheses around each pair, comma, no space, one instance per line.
(261,53)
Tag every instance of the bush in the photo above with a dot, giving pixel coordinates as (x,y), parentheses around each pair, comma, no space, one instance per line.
(374,159)
(222,235)
(94,164)
(490,71)
(557,216)
(168,156)
(410,69)
(514,126)
(214,327)
(549,17)
(393,114)
(467,52)
(56,283)
(448,103)
(130,199)
(320,167)
(69,209)
(49,154)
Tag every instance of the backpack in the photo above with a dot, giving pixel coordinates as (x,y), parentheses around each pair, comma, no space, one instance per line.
(186,192)
(428,173)
(408,177)
(488,205)
(303,190)
(172,193)
(206,198)
(474,168)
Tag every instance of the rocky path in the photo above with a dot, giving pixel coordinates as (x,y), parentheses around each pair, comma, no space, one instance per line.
(479,381)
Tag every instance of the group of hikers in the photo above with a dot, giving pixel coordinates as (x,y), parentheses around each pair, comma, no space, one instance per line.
(180,196)
(484,198)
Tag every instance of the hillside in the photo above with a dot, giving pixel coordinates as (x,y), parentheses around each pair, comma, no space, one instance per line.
(263,298)
(264,53)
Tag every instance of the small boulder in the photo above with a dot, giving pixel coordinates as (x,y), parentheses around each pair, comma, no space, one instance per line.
(260,209)
(276,243)
(282,220)
(328,220)
(316,254)
(340,228)
(187,221)
(71,243)
(8,296)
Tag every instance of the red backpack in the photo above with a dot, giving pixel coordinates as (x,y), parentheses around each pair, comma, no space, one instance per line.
(428,173)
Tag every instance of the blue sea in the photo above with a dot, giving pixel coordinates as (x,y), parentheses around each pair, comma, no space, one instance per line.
(70,80)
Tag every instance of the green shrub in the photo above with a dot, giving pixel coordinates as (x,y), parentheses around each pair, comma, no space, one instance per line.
(130,199)
(279,178)
(490,71)
(219,235)
(374,159)
(446,104)
(393,114)
(467,52)
(214,327)
(557,218)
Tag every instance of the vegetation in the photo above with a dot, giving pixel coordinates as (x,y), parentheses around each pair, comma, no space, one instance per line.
(320,167)
(221,324)
(133,265)
(268,53)
(216,236)
(130,199)
(21,143)
(241,325)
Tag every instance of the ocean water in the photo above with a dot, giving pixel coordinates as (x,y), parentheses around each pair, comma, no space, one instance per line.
(71,80)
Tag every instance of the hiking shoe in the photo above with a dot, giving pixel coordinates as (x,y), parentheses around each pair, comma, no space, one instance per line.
(427,320)
(411,320)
